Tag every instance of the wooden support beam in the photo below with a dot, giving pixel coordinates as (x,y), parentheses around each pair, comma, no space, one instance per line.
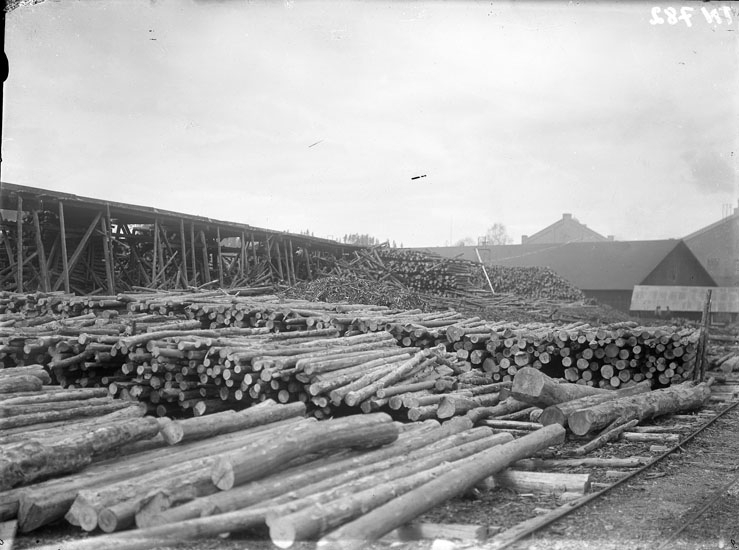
(140,264)
(254,248)
(206,261)
(8,250)
(111,248)
(65,265)
(700,366)
(306,250)
(106,255)
(220,257)
(269,257)
(193,262)
(292,261)
(183,248)
(161,235)
(45,283)
(279,260)
(51,258)
(19,245)
(77,254)
(155,244)
(244,258)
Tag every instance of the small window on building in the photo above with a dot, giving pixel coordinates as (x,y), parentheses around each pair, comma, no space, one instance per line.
(736,267)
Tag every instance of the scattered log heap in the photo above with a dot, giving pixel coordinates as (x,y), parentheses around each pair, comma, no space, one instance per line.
(533,282)
(146,481)
(344,481)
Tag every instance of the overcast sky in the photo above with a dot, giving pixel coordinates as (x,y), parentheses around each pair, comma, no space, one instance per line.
(317,115)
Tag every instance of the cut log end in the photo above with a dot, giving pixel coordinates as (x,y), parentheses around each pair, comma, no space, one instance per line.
(282,533)
(223,475)
(172,433)
(552,415)
(87,517)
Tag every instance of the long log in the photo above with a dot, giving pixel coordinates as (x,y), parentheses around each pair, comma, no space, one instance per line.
(56,395)
(81,411)
(26,409)
(558,414)
(451,405)
(673,399)
(400,510)
(553,464)
(228,421)
(536,388)
(33,460)
(367,431)
(505,407)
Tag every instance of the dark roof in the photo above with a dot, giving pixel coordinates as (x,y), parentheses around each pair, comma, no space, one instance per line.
(609,265)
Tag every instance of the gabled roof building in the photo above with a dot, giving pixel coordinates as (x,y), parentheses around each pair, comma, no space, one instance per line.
(566,230)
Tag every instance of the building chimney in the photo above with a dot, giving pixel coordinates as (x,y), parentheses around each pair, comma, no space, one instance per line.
(611,238)
(524,239)
(566,216)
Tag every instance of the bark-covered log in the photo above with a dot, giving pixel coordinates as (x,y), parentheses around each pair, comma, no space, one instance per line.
(82,410)
(372,430)
(558,414)
(674,399)
(400,510)
(505,407)
(228,421)
(451,405)
(536,388)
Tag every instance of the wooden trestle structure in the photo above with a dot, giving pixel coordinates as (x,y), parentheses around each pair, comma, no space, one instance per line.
(52,241)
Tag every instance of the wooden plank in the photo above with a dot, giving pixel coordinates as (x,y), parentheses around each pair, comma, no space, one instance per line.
(431,531)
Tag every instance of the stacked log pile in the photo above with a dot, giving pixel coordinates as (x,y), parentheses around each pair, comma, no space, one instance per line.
(206,351)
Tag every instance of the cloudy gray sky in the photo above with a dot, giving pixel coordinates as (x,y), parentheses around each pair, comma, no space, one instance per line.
(316,115)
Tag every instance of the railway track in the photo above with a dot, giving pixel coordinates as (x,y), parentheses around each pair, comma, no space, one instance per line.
(561,529)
